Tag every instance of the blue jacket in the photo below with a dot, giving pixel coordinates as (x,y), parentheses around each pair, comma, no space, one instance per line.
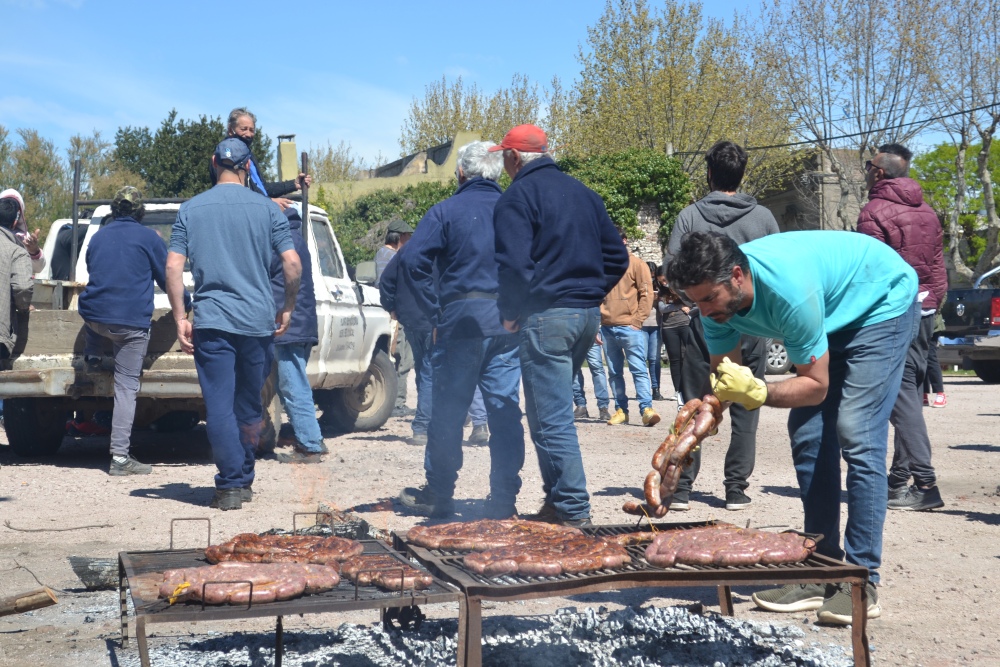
(555,244)
(396,292)
(123,259)
(455,238)
(303,327)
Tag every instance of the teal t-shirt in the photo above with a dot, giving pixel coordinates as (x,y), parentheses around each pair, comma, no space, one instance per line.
(229,233)
(811,284)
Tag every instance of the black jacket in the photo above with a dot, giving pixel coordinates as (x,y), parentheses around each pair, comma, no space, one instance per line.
(271,190)
(396,292)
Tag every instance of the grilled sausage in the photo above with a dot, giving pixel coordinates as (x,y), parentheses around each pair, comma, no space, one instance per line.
(685,413)
(651,489)
(663,451)
(703,423)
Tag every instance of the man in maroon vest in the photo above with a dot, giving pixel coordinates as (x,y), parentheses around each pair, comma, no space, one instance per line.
(897,215)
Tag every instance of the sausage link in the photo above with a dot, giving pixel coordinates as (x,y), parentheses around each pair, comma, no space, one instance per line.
(683,449)
(685,413)
(663,451)
(703,423)
(651,488)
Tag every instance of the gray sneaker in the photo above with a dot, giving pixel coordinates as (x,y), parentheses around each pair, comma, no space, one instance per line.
(246,493)
(794,597)
(130,467)
(605,415)
(580,412)
(917,499)
(299,456)
(418,439)
(837,609)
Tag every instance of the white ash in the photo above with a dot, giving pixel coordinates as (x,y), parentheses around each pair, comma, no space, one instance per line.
(648,637)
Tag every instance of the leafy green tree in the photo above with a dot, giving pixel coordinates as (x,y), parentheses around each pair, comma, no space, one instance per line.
(628,180)
(670,80)
(448,108)
(935,171)
(174,162)
(361,224)
(33,167)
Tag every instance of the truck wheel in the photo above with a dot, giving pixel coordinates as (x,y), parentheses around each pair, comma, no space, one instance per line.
(367,406)
(271,403)
(988,371)
(35,426)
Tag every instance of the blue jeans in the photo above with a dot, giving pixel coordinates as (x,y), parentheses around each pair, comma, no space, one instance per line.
(460,364)
(296,394)
(420,345)
(621,343)
(477,410)
(554,344)
(595,362)
(866,367)
(653,356)
(231,370)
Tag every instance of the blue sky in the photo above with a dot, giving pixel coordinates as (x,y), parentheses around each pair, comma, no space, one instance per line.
(324,71)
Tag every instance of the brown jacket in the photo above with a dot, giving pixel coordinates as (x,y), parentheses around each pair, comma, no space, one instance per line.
(629,303)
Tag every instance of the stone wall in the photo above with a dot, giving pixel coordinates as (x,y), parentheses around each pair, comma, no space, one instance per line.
(648,248)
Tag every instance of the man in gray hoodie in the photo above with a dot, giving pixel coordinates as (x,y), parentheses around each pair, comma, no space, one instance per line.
(738,216)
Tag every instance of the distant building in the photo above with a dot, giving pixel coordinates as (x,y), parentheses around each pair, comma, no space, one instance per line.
(810,198)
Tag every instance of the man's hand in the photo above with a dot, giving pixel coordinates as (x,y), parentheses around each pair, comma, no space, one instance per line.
(185,335)
(736,383)
(511,326)
(303,177)
(281,321)
(31,242)
(597,339)
(634,328)
(283,202)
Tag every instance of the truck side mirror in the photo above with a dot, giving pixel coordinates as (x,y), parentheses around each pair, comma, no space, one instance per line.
(365,273)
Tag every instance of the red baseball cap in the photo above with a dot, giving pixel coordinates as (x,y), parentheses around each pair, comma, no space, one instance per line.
(527,138)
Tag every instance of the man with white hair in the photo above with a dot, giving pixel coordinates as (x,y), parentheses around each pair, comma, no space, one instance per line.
(455,242)
(558,256)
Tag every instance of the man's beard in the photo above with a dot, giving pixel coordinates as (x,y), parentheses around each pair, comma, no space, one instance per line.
(733,306)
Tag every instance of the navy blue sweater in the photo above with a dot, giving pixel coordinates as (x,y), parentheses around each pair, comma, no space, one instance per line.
(396,292)
(555,244)
(303,327)
(455,240)
(123,259)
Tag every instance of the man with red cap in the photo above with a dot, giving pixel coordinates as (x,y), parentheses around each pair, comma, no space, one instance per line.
(558,255)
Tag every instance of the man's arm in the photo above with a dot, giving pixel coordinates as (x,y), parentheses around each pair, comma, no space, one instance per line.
(644,283)
(513,236)
(387,284)
(291,267)
(175,292)
(418,257)
(21,283)
(807,388)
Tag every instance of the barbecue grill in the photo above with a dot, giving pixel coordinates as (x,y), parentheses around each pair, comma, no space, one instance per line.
(635,574)
(138,572)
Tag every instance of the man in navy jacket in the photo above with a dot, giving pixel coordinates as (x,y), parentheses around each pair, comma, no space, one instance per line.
(559,255)
(123,259)
(293,348)
(455,238)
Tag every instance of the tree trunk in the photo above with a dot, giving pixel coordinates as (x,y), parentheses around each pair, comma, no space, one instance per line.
(989,203)
(955,231)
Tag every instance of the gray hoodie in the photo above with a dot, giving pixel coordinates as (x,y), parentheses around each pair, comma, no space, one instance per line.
(737,216)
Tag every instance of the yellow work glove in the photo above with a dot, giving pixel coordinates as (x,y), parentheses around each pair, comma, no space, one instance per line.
(736,383)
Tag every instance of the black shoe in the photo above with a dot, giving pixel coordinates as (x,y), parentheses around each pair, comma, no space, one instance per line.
(480,435)
(418,439)
(227,499)
(129,467)
(403,411)
(657,396)
(737,500)
(422,502)
(547,513)
(246,493)
(679,503)
(498,511)
(298,456)
(897,492)
(917,499)
(580,412)
(576,523)
(604,415)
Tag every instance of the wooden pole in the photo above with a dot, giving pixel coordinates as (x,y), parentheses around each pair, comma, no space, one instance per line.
(305,197)
(18,604)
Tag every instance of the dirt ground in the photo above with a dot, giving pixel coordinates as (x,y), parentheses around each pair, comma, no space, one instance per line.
(939,577)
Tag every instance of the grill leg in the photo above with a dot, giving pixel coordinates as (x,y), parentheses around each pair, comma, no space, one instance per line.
(859,624)
(140,637)
(279,642)
(470,633)
(123,602)
(726,600)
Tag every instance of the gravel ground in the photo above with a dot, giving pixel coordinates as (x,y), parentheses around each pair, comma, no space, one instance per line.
(940,572)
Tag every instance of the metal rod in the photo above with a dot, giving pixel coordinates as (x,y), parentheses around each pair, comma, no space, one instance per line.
(305,196)
(279,642)
(196,518)
(74,249)
(155,200)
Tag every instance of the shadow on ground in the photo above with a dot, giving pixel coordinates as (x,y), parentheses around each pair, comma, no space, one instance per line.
(182,492)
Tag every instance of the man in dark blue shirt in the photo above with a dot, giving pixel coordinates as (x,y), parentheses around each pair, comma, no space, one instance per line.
(123,259)
(559,255)
(471,347)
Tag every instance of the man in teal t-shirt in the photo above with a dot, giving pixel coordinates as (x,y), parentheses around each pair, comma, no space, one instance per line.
(845,306)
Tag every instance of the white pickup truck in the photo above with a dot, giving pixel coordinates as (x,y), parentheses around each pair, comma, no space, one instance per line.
(353,378)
